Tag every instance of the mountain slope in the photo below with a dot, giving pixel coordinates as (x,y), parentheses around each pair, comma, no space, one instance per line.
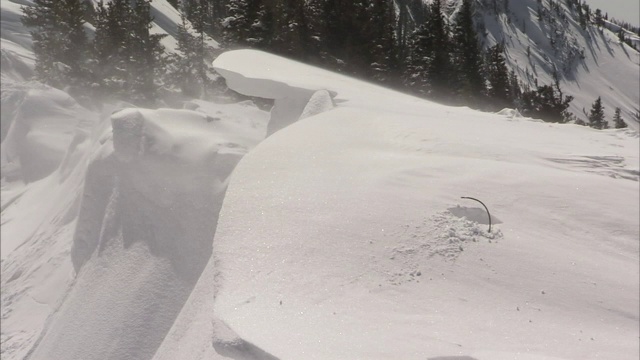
(587,62)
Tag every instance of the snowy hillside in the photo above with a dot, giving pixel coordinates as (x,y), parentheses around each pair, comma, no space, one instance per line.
(169,234)
(589,63)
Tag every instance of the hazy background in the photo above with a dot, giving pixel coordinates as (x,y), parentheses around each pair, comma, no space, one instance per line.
(627,10)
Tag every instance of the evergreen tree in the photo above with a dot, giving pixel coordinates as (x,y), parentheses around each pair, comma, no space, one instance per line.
(59,41)
(599,21)
(128,57)
(344,29)
(621,35)
(498,76)
(292,35)
(247,23)
(111,51)
(316,47)
(596,115)
(439,65)
(186,65)
(416,72)
(429,68)
(467,55)
(618,121)
(148,61)
(514,87)
(383,50)
(547,104)
(581,17)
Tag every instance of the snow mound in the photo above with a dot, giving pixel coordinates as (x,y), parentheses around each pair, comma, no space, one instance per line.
(319,102)
(374,262)
(509,113)
(38,124)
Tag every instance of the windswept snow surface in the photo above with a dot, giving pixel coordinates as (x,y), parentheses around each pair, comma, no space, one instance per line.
(100,253)
(344,235)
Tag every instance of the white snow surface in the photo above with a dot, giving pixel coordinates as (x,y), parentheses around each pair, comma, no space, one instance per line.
(101,251)
(343,236)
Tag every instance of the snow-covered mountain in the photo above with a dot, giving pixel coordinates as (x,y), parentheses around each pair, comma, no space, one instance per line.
(132,234)
(587,62)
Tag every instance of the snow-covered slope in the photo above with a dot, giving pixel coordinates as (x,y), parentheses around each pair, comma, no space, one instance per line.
(589,63)
(343,236)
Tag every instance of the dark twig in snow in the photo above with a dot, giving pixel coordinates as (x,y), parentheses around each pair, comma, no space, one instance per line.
(485,207)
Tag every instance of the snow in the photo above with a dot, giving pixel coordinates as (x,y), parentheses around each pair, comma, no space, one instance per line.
(155,187)
(610,69)
(170,234)
(376,258)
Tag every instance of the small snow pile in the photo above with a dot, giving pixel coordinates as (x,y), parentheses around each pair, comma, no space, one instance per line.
(320,102)
(510,113)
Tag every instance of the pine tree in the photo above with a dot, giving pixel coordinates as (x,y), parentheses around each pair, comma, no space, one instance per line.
(439,66)
(59,41)
(621,35)
(467,55)
(344,33)
(247,23)
(147,62)
(599,21)
(429,68)
(292,35)
(416,75)
(596,115)
(547,104)
(383,50)
(184,69)
(128,57)
(618,121)
(498,76)
(514,87)
(111,51)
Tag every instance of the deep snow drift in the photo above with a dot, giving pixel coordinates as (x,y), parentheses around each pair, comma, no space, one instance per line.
(378,257)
